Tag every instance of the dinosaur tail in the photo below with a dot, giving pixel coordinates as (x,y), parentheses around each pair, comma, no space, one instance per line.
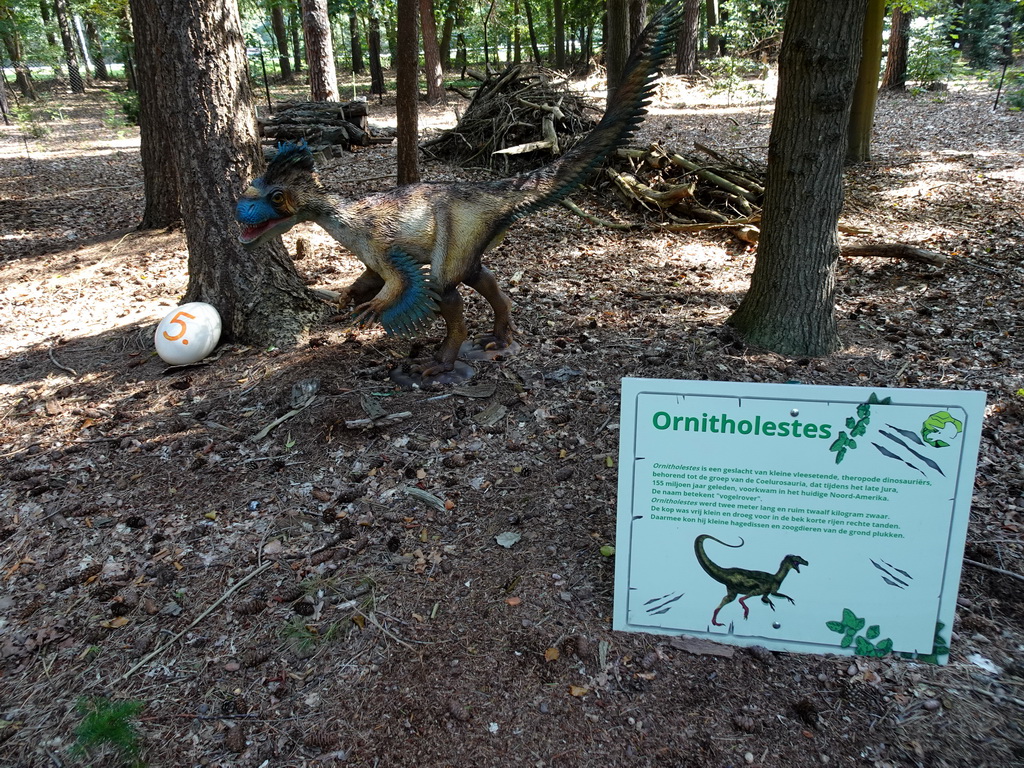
(626,109)
(710,566)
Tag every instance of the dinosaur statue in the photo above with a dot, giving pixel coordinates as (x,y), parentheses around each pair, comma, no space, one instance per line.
(419,241)
(740,581)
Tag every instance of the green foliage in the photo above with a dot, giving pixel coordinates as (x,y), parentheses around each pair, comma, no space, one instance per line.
(733,75)
(1013,88)
(932,59)
(864,645)
(108,723)
(128,102)
(858,427)
(752,25)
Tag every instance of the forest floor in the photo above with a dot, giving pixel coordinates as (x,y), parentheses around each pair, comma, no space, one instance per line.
(284,601)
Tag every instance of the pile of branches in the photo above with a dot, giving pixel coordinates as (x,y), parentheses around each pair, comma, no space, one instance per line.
(325,125)
(689,192)
(518,120)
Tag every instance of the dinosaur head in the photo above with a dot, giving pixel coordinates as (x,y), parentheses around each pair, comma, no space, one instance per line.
(289,192)
(794,561)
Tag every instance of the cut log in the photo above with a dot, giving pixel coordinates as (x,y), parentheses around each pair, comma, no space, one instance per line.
(896,251)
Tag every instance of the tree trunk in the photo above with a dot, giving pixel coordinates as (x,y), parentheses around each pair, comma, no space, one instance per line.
(44,14)
(431,54)
(616,42)
(559,7)
(316,26)
(159,174)
(377,86)
(357,47)
(126,37)
(78,30)
(201,55)
(15,52)
(686,42)
(533,33)
(714,36)
(407,93)
(295,25)
(70,55)
(790,307)
(281,39)
(865,95)
(895,77)
(638,19)
(96,45)
(517,46)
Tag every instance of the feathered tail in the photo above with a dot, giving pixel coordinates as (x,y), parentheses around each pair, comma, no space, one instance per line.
(626,109)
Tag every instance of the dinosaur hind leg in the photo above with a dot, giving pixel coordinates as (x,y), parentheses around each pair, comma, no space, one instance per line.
(725,601)
(743,602)
(444,369)
(498,343)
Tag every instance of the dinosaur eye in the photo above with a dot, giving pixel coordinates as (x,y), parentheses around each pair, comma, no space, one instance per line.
(277,198)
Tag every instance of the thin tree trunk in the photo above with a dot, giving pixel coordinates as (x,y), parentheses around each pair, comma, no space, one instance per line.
(407,93)
(281,39)
(790,307)
(616,42)
(895,77)
(44,13)
(559,7)
(431,55)
(517,47)
(714,36)
(686,42)
(12,42)
(294,23)
(70,56)
(316,25)
(377,85)
(533,33)
(357,47)
(96,45)
(159,174)
(865,95)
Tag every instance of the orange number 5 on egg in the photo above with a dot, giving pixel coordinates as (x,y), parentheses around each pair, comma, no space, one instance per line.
(176,320)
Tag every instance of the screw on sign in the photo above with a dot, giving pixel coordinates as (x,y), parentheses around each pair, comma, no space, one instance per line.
(188,333)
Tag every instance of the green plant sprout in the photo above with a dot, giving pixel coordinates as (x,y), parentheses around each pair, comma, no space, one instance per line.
(940,647)
(864,645)
(858,427)
(107,722)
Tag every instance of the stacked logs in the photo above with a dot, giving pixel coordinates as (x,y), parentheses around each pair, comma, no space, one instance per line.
(329,127)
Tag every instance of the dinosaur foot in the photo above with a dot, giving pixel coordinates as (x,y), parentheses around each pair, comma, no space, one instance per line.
(411,375)
(488,348)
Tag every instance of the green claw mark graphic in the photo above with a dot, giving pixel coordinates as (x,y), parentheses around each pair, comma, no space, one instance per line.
(937,423)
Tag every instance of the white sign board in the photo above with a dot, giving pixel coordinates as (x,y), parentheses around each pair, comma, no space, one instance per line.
(798,518)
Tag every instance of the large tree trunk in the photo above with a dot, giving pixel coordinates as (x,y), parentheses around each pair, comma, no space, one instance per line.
(895,77)
(70,55)
(407,93)
(281,39)
(377,86)
(201,55)
(790,307)
(431,54)
(865,94)
(637,19)
(686,42)
(159,174)
(316,25)
(616,42)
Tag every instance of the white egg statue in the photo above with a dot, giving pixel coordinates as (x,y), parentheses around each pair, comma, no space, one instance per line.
(188,333)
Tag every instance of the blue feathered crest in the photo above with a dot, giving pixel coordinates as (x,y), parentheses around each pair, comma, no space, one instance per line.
(290,155)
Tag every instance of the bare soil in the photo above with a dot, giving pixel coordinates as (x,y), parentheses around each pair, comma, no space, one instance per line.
(286,601)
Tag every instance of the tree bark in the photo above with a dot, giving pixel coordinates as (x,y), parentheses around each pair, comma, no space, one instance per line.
(790,307)
(638,19)
(533,33)
(316,26)
(431,54)
(357,47)
(686,42)
(616,43)
(281,39)
(295,25)
(895,77)
(714,37)
(96,45)
(377,86)
(15,52)
(559,9)
(201,54)
(407,93)
(159,174)
(68,42)
(447,30)
(44,14)
(865,94)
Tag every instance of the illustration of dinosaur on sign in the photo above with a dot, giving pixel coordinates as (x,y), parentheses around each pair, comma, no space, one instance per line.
(743,583)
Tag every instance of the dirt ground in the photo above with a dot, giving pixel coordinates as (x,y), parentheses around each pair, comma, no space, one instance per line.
(331,594)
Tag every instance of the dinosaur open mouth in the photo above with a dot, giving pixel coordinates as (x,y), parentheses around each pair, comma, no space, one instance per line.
(255,232)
